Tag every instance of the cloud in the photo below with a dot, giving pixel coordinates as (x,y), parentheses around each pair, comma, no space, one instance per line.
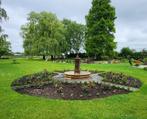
(131,25)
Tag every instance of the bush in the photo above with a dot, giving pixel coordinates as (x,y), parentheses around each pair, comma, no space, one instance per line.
(14,61)
(124,60)
(145,61)
(145,68)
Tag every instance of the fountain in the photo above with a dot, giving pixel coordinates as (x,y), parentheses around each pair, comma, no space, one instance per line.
(77,74)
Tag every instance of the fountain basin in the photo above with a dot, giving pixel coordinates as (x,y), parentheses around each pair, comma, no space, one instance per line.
(73,75)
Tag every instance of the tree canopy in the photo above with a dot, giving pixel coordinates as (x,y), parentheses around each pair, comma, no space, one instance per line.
(75,35)
(126,52)
(100,29)
(43,35)
(4,44)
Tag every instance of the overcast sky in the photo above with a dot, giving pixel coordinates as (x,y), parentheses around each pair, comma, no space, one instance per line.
(131,23)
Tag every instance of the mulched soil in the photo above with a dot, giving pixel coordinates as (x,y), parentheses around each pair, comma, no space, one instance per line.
(72,91)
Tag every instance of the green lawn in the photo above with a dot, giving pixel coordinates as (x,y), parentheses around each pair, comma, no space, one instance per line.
(17,106)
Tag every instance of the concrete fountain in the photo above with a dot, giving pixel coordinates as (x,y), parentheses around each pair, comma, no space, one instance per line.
(77,73)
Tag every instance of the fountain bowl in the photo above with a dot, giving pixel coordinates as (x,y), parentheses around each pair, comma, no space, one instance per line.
(72,75)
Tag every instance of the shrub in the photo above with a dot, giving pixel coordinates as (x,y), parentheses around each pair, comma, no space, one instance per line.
(145,61)
(145,68)
(14,61)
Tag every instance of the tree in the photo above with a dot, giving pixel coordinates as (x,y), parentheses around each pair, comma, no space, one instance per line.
(4,44)
(144,53)
(138,56)
(75,35)
(126,52)
(100,29)
(3,13)
(43,35)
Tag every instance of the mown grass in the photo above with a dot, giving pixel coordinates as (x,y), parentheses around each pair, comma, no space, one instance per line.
(17,106)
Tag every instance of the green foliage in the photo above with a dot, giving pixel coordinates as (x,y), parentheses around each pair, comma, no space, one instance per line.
(34,79)
(137,55)
(145,68)
(119,78)
(144,53)
(43,35)
(75,35)
(3,13)
(14,61)
(100,29)
(126,52)
(4,44)
(145,61)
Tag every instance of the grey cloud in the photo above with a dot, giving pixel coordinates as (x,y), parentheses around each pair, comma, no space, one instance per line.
(133,45)
(132,10)
(63,8)
(131,25)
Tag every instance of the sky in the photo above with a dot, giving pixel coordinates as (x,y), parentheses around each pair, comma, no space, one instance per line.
(131,22)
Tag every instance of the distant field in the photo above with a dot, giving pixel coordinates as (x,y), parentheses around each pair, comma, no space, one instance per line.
(17,106)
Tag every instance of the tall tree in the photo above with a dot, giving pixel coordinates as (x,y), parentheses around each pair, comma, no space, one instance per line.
(43,35)
(75,35)
(100,29)
(4,44)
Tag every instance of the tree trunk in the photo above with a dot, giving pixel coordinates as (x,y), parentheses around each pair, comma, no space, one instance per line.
(44,58)
(52,57)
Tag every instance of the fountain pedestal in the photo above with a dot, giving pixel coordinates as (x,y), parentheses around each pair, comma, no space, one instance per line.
(77,74)
(77,65)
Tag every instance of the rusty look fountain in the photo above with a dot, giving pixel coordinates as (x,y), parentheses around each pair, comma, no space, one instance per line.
(77,74)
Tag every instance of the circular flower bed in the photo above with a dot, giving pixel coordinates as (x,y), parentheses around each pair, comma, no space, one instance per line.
(121,79)
(43,84)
